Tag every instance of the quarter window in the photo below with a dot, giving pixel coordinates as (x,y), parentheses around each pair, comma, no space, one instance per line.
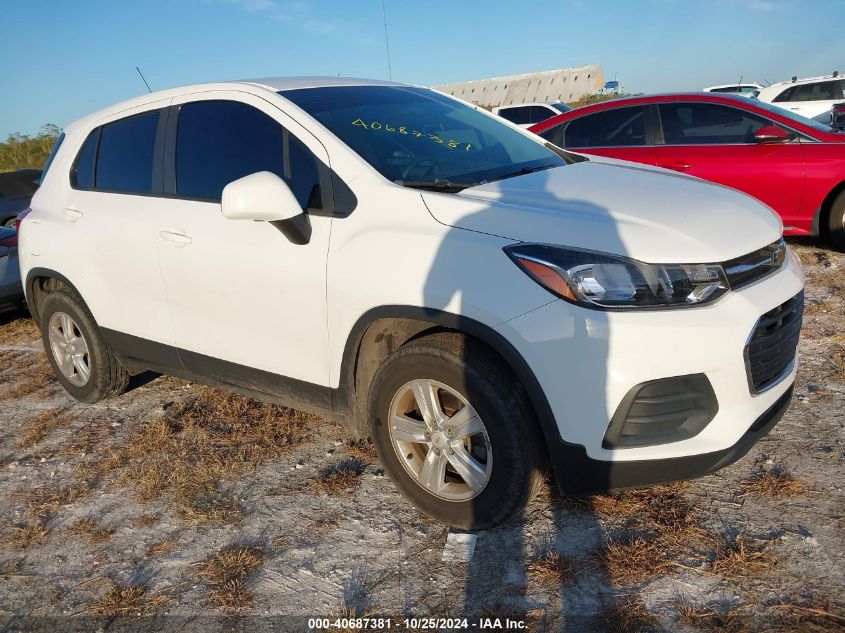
(218,142)
(620,127)
(125,154)
(82,174)
(708,124)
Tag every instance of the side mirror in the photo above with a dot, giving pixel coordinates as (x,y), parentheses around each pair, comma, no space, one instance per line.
(772,134)
(265,197)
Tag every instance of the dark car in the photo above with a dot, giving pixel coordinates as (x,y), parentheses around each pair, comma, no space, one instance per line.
(11,289)
(16,189)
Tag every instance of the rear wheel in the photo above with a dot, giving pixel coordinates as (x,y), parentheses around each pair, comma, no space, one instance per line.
(836,222)
(80,358)
(455,432)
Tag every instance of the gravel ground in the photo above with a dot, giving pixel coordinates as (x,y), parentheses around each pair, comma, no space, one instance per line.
(177,507)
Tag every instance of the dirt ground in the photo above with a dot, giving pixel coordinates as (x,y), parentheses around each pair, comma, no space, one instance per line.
(178,507)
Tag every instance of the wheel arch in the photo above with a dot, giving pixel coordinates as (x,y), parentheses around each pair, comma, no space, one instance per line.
(380,331)
(42,281)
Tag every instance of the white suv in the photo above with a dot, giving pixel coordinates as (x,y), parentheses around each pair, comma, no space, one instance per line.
(808,97)
(477,302)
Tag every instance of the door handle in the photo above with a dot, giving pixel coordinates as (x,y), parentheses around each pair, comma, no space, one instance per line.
(72,214)
(176,237)
(676,165)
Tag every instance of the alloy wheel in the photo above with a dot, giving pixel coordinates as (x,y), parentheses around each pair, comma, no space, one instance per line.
(69,348)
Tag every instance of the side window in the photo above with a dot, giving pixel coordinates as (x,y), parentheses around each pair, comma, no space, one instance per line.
(218,142)
(786,95)
(125,154)
(539,113)
(708,124)
(822,91)
(620,127)
(82,172)
(554,134)
(515,115)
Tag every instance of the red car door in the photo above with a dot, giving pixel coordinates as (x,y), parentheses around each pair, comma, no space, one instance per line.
(616,133)
(716,142)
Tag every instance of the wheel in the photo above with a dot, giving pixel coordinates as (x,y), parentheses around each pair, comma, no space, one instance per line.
(836,222)
(79,356)
(455,432)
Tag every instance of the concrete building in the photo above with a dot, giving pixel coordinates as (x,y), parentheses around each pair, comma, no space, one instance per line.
(565,84)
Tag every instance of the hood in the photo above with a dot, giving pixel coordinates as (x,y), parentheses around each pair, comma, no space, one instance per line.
(649,214)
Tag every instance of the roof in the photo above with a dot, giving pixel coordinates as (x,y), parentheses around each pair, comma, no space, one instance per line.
(297,83)
(806,80)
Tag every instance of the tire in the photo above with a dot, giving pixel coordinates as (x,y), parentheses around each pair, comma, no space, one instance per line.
(106,376)
(836,222)
(513,468)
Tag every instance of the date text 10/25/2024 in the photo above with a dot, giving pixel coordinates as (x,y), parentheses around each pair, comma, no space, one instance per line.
(433,624)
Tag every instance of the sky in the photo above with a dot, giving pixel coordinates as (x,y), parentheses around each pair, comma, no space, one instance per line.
(62,59)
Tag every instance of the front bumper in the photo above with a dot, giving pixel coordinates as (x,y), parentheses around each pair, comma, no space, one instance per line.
(586,361)
(577,474)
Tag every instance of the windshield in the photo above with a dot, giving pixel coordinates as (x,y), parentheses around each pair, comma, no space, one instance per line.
(418,137)
(819,127)
(560,107)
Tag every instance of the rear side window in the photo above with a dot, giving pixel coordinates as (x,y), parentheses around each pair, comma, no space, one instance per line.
(218,142)
(125,154)
(620,127)
(539,113)
(516,115)
(822,91)
(82,172)
(52,155)
(708,124)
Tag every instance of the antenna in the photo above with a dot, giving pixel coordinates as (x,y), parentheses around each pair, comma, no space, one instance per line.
(386,42)
(142,79)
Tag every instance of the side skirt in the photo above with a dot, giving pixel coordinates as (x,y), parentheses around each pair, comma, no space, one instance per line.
(140,354)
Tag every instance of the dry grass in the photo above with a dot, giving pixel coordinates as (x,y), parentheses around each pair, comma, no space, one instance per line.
(361,449)
(226,573)
(19,332)
(125,600)
(91,530)
(146,520)
(630,615)
(708,619)
(23,537)
(162,548)
(30,374)
(39,427)
(633,560)
(776,482)
(741,557)
(197,444)
(552,570)
(340,477)
(45,501)
(808,614)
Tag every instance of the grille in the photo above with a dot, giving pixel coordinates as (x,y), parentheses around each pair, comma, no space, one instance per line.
(771,348)
(756,265)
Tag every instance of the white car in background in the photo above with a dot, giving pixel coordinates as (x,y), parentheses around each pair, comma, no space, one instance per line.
(527,114)
(807,97)
(745,90)
(472,298)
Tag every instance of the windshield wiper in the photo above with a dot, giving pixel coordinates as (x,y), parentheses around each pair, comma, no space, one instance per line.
(438,184)
(523,171)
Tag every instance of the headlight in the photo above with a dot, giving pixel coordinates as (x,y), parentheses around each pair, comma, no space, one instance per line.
(599,280)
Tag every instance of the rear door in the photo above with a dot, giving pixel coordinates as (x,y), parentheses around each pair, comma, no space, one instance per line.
(109,219)
(240,291)
(617,133)
(716,142)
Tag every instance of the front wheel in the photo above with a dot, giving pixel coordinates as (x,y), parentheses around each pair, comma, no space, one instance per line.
(455,432)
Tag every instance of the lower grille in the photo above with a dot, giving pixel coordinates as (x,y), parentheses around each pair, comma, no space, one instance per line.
(771,348)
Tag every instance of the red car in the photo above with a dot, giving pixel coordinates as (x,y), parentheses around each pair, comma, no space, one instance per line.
(793,164)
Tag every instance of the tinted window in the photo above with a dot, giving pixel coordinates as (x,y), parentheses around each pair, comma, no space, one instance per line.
(82,173)
(620,127)
(52,155)
(822,91)
(218,142)
(786,95)
(539,113)
(727,89)
(515,115)
(419,137)
(554,134)
(125,155)
(708,124)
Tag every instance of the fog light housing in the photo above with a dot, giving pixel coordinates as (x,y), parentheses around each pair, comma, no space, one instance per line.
(662,411)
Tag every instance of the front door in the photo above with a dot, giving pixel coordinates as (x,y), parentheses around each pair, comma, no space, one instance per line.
(248,305)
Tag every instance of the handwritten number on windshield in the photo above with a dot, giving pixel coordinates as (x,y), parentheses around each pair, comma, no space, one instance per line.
(377,125)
